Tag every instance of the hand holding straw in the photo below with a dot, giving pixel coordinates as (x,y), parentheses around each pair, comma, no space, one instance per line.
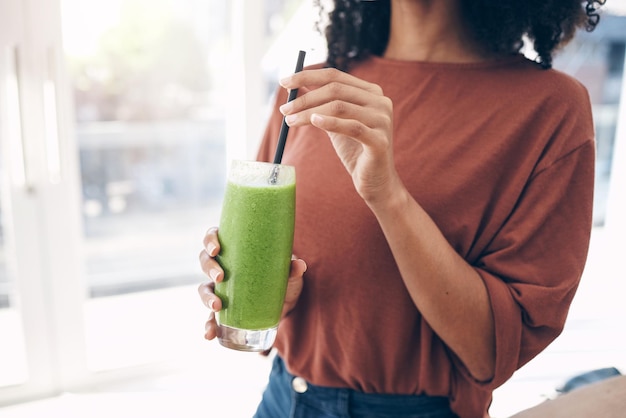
(284,129)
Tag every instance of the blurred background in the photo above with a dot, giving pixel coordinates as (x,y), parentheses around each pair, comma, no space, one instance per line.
(117,119)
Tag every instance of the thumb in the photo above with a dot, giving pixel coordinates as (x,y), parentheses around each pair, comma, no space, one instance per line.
(298,267)
(294,285)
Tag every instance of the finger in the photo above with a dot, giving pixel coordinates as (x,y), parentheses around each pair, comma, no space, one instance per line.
(368,117)
(298,267)
(328,93)
(208,296)
(294,288)
(324,76)
(295,282)
(294,285)
(348,127)
(211,267)
(210,327)
(211,242)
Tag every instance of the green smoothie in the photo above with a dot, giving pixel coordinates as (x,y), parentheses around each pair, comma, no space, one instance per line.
(256,238)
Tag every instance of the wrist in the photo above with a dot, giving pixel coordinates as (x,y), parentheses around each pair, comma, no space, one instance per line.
(390,200)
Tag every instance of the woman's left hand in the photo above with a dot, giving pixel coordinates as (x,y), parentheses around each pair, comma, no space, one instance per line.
(357,117)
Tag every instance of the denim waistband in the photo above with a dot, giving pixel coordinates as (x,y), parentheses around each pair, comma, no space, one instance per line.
(344,402)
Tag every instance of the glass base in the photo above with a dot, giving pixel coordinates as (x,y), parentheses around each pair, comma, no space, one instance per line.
(245,339)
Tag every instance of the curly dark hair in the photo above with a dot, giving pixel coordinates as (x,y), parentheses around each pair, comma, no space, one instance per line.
(355,29)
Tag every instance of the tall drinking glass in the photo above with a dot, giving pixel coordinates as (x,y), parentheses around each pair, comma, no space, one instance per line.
(256,239)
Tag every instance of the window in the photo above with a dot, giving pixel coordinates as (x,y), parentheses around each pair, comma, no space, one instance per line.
(13,366)
(597,60)
(127,121)
(13,369)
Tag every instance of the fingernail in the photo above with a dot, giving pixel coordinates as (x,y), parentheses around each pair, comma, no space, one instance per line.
(210,304)
(214,274)
(289,119)
(316,119)
(211,249)
(286,108)
(285,81)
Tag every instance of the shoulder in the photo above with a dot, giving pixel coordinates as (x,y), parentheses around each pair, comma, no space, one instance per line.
(551,84)
(556,103)
(562,111)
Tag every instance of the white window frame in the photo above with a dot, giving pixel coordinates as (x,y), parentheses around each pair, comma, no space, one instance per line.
(616,201)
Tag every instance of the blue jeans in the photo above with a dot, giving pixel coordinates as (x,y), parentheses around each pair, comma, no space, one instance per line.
(286,398)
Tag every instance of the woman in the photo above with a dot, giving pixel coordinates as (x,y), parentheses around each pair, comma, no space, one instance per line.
(444,204)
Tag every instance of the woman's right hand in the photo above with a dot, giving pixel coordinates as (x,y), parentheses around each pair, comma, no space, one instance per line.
(214,271)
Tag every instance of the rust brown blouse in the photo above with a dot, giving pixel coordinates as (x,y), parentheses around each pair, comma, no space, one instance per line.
(501,156)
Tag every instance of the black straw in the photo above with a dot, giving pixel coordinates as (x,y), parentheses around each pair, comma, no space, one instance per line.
(284,129)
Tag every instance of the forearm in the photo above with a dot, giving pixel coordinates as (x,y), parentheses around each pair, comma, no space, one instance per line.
(448,292)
